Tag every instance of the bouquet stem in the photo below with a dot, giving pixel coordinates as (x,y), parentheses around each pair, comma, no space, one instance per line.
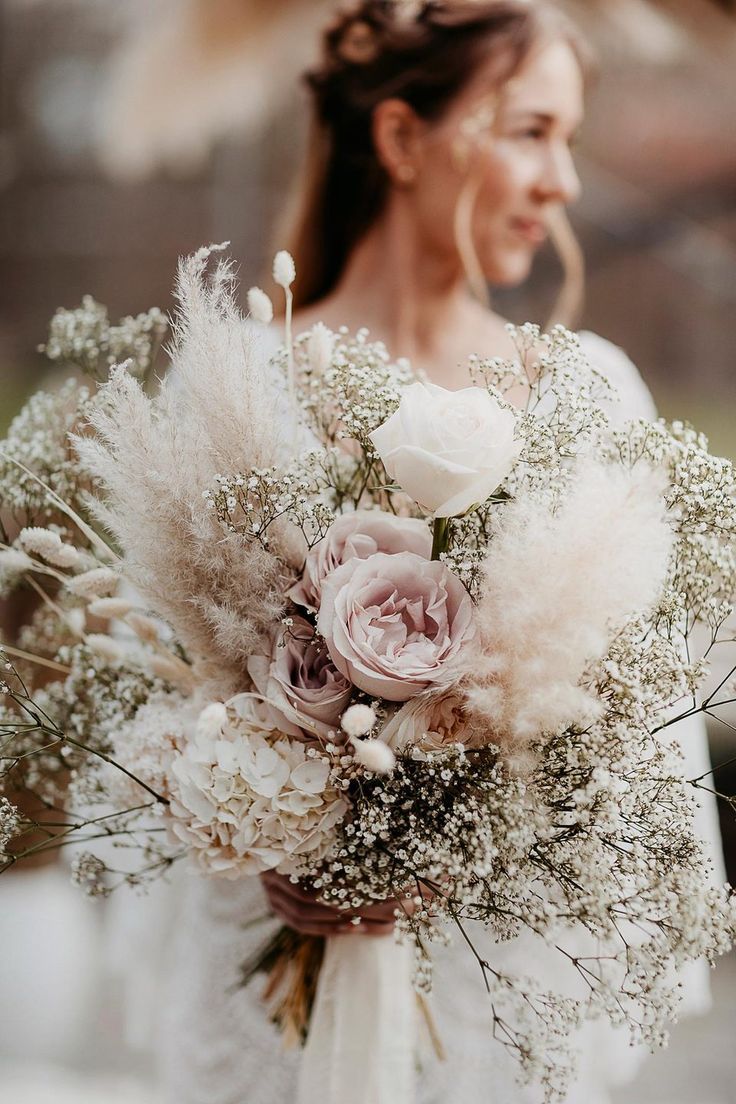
(440,537)
(292,964)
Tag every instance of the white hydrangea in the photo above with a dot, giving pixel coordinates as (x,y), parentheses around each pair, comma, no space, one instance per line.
(245,800)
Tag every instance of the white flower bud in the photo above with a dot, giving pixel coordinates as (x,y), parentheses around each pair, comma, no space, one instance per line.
(374,755)
(104,647)
(98,582)
(284,270)
(143,627)
(110,607)
(357,720)
(320,344)
(12,559)
(75,619)
(211,721)
(260,306)
(41,542)
(66,555)
(170,668)
(49,546)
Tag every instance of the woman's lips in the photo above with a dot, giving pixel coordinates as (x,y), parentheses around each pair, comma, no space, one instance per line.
(532,230)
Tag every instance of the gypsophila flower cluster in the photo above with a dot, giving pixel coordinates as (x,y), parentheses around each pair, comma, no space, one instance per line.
(88,872)
(9,826)
(38,438)
(84,337)
(348,387)
(250,503)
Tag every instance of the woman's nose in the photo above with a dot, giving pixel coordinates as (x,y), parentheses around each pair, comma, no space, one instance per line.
(559,180)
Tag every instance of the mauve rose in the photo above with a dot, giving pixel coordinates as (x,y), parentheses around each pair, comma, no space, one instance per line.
(449,450)
(395,625)
(358,536)
(303,688)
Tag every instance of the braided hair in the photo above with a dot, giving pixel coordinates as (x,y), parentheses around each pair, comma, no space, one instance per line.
(373,50)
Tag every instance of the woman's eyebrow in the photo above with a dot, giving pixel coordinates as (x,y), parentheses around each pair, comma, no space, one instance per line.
(543,117)
(526,112)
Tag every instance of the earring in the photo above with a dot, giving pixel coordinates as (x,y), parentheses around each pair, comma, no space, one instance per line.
(406,174)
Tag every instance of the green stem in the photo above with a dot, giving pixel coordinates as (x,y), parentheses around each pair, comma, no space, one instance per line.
(440,537)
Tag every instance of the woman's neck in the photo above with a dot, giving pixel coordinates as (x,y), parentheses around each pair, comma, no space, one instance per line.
(414,300)
(409,297)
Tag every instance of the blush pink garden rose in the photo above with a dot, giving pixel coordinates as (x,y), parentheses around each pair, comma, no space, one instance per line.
(303,689)
(448,450)
(396,625)
(358,536)
(434,721)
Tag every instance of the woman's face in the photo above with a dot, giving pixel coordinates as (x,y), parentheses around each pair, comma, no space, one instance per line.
(513,149)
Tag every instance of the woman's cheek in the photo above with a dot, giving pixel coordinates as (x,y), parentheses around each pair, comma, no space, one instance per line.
(511,171)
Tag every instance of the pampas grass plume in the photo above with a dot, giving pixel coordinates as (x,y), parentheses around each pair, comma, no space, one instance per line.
(556,588)
(154,458)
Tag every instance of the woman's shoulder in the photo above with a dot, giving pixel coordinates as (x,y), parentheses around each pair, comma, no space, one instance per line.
(611,361)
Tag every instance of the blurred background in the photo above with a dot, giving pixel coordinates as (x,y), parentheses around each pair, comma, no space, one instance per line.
(132,131)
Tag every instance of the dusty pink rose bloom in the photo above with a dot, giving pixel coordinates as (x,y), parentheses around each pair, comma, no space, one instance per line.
(395,625)
(358,536)
(434,721)
(304,690)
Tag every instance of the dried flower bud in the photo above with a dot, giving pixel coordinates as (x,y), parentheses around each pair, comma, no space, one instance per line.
(97,583)
(260,306)
(143,627)
(357,720)
(76,619)
(39,541)
(320,345)
(104,647)
(49,546)
(284,270)
(110,607)
(66,555)
(374,755)
(13,559)
(211,720)
(171,669)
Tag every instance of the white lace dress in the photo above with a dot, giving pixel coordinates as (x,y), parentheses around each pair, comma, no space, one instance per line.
(218,1047)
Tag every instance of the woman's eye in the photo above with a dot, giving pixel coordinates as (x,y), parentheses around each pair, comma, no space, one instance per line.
(535,133)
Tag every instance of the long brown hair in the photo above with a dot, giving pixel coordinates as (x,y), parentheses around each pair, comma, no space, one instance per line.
(370,52)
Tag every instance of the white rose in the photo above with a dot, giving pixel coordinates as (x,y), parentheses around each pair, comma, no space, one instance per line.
(447,449)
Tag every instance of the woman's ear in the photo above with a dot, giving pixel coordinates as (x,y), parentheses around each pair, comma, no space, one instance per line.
(396,132)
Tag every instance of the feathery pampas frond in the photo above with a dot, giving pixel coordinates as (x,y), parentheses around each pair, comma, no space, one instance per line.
(556,588)
(217,411)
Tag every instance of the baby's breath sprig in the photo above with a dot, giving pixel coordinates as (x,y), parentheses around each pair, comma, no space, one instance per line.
(86,339)
(250,503)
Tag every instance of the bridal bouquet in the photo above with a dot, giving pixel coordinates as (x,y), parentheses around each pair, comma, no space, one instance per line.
(313,614)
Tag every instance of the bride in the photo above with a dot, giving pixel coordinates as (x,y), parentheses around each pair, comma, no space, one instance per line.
(439,162)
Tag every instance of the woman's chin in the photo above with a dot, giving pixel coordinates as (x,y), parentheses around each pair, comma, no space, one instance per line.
(509,271)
